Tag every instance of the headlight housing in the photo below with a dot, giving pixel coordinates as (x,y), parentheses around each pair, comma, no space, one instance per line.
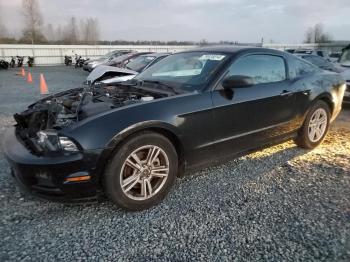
(51,141)
(67,144)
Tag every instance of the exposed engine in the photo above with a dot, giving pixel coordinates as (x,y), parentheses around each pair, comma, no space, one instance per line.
(66,108)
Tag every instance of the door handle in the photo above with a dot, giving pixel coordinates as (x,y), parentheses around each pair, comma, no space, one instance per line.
(286,93)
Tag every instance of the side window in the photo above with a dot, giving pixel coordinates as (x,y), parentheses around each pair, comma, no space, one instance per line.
(298,67)
(262,68)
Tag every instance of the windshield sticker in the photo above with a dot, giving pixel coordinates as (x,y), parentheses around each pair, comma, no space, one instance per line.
(212,57)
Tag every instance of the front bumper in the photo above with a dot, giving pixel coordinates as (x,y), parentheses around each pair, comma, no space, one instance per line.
(46,176)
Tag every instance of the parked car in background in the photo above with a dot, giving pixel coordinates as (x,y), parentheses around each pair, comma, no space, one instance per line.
(334,57)
(321,53)
(120,61)
(344,62)
(290,50)
(91,64)
(321,62)
(131,140)
(110,74)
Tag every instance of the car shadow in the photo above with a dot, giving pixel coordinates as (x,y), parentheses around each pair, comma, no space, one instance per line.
(271,156)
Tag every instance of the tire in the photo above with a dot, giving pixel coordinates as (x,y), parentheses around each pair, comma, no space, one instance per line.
(136,194)
(306,138)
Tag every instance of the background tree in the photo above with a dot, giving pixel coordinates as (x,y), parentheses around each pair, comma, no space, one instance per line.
(58,34)
(49,33)
(70,32)
(203,42)
(90,31)
(316,34)
(33,22)
(309,35)
(3,30)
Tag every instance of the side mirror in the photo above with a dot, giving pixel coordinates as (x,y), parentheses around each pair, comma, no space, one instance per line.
(237,81)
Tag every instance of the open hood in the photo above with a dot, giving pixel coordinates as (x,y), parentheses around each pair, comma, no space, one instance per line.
(48,116)
(103,72)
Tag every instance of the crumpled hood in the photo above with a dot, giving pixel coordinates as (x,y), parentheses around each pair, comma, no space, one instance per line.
(117,79)
(101,70)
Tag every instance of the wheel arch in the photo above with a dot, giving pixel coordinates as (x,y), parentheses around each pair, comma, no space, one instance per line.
(162,128)
(327,98)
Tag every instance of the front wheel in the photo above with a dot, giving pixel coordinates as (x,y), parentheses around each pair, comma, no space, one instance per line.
(315,126)
(141,172)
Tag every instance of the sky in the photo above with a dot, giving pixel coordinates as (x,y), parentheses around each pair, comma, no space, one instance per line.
(282,21)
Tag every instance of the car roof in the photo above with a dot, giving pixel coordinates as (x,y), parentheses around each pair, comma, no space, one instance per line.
(220,48)
(233,49)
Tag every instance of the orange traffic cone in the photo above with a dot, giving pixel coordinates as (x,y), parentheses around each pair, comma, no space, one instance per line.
(23,73)
(43,86)
(29,78)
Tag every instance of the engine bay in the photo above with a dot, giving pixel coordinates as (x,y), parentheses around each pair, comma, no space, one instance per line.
(65,108)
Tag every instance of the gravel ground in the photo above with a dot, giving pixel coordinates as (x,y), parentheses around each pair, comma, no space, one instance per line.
(281,203)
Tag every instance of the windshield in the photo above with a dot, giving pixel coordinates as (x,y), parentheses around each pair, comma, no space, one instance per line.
(189,71)
(139,63)
(345,57)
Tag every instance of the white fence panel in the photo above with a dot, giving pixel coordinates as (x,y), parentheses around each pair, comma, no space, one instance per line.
(54,54)
(329,47)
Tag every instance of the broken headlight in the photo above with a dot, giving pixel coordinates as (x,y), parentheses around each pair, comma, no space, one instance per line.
(51,141)
(67,144)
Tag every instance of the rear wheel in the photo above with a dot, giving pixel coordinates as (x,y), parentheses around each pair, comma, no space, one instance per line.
(141,172)
(315,126)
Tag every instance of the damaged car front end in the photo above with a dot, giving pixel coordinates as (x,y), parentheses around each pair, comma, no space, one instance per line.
(44,155)
(110,74)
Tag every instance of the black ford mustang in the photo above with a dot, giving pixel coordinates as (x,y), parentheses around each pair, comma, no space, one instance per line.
(132,140)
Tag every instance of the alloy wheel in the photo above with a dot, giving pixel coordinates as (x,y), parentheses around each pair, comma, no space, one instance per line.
(317,125)
(144,172)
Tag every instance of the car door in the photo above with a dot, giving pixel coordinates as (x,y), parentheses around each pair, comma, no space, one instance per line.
(247,117)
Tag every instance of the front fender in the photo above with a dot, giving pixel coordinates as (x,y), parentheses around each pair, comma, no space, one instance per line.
(119,137)
(152,124)
(106,129)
